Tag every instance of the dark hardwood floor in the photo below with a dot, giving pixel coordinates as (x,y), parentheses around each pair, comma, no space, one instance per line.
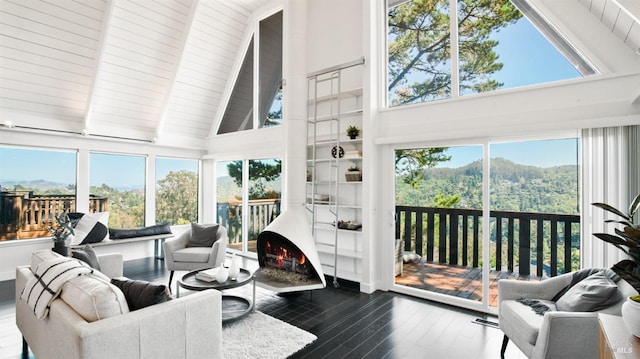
(348,324)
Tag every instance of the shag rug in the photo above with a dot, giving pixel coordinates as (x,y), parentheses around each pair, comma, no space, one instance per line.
(262,336)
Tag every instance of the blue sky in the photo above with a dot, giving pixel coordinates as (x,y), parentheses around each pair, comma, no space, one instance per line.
(60,167)
(546,153)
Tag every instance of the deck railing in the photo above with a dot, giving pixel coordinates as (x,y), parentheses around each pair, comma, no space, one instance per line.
(27,215)
(453,236)
(261,213)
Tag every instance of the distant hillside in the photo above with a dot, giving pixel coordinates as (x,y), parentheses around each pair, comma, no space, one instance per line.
(514,187)
(38,186)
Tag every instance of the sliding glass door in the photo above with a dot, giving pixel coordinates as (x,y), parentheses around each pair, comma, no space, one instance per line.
(443,246)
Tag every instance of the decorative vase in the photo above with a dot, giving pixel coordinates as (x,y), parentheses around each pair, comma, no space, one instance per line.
(631,316)
(234,269)
(60,248)
(222,275)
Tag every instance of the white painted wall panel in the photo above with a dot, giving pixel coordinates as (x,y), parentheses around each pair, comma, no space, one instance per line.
(623,25)
(18,76)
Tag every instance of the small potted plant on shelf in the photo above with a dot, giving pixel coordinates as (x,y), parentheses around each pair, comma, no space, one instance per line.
(353,132)
(353,174)
(61,233)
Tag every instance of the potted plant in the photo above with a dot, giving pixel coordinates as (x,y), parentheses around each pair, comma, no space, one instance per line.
(61,233)
(631,314)
(627,240)
(353,174)
(353,132)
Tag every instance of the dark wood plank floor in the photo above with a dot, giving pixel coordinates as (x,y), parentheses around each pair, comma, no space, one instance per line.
(348,324)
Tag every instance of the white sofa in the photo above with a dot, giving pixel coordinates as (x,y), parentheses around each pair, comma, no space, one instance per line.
(188,327)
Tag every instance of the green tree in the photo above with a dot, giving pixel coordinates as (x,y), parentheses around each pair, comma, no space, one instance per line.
(420,47)
(411,162)
(257,169)
(177,198)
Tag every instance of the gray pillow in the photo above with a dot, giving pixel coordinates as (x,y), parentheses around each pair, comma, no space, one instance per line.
(590,294)
(88,255)
(202,235)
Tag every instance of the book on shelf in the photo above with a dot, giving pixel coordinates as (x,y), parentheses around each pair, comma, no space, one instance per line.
(208,275)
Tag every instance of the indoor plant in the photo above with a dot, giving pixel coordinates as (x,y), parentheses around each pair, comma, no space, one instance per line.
(631,314)
(61,233)
(353,132)
(627,239)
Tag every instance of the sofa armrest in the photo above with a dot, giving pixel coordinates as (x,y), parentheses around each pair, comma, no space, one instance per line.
(558,335)
(111,264)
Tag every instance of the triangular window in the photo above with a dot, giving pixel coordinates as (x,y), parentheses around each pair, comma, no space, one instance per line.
(241,110)
(497,44)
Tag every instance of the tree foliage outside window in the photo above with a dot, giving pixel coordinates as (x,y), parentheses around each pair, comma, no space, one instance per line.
(177,192)
(419,48)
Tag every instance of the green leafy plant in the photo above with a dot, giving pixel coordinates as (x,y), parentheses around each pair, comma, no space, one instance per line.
(635,298)
(353,132)
(627,239)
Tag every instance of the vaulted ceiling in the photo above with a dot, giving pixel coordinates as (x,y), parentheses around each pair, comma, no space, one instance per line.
(140,69)
(155,71)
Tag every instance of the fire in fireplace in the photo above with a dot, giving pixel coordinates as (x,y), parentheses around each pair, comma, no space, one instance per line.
(287,255)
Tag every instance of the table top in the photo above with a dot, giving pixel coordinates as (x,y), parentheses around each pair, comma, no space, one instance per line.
(621,341)
(189,281)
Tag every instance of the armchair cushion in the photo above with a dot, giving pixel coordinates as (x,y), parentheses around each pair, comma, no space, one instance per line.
(590,294)
(141,294)
(202,235)
(523,324)
(192,254)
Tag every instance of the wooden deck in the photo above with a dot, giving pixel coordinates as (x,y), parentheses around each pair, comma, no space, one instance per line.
(459,281)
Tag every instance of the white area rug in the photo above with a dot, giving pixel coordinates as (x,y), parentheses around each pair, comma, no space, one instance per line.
(262,336)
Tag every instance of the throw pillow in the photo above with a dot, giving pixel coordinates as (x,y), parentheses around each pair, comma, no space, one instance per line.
(91,228)
(88,255)
(93,297)
(202,235)
(589,295)
(141,294)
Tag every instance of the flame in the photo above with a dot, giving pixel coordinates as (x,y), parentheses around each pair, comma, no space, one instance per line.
(303,259)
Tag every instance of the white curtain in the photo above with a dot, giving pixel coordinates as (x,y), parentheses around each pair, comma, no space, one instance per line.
(610,174)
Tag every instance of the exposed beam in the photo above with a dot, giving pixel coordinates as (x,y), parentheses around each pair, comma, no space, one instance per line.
(104,33)
(172,85)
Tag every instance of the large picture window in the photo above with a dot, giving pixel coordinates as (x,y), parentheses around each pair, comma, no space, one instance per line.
(495,45)
(176,191)
(35,186)
(119,182)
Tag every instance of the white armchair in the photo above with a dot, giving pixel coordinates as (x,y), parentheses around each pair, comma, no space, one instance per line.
(178,256)
(556,334)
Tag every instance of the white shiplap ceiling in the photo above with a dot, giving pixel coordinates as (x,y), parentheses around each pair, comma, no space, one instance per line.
(149,69)
(621,17)
(138,69)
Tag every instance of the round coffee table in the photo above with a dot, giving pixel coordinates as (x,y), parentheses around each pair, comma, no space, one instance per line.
(233,307)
